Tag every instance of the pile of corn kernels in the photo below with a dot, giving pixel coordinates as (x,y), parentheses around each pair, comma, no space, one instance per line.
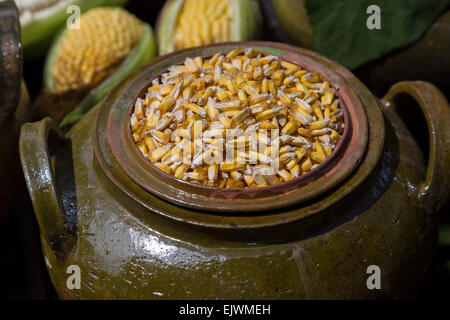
(237,120)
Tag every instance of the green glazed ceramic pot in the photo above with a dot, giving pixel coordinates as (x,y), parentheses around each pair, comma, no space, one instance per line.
(14,102)
(137,233)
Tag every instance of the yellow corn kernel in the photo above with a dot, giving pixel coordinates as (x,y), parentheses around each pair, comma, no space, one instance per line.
(212,111)
(266,115)
(258,98)
(300,73)
(302,88)
(225,121)
(265,86)
(290,127)
(231,85)
(155,87)
(314,156)
(243,98)
(320,132)
(166,104)
(328,150)
(215,58)
(284,98)
(325,85)
(274,66)
(327,112)
(303,106)
(300,153)
(241,116)
(233,183)
(228,167)
(334,105)
(318,111)
(306,165)
(249,180)
(271,179)
(318,124)
(164,91)
(304,132)
(164,167)
(337,115)
(295,171)
(187,93)
(278,77)
(222,96)
(159,136)
(257,73)
(213,172)
(180,171)
(327,97)
(194,176)
(334,136)
(233,53)
(239,80)
(285,175)
(291,163)
(157,154)
(196,109)
(150,143)
(143,148)
(251,91)
(289,65)
(134,123)
(236,175)
(320,150)
(152,120)
(265,60)
(310,78)
(298,116)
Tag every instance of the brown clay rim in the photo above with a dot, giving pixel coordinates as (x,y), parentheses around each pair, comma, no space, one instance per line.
(309,176)
(345,158)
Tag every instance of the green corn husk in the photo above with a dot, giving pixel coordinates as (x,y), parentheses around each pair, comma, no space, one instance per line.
(294,22)
(143,53)
(76,88)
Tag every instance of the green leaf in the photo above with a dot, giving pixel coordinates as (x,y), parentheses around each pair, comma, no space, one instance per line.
(341,33)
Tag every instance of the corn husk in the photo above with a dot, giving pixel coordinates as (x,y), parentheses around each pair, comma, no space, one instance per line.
(40,21)
(88,82)
(293,20)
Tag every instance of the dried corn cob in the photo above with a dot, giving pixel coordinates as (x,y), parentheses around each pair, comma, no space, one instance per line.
(189,23)
(84,56)
(109,44)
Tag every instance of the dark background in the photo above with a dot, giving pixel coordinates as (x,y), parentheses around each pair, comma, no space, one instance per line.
(22,268)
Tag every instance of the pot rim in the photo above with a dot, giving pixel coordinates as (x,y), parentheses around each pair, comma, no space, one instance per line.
(108,114)
(286,186)
(342,162)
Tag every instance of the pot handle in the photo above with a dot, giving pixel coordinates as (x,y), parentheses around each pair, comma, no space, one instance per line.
(436,187)
(39,176)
